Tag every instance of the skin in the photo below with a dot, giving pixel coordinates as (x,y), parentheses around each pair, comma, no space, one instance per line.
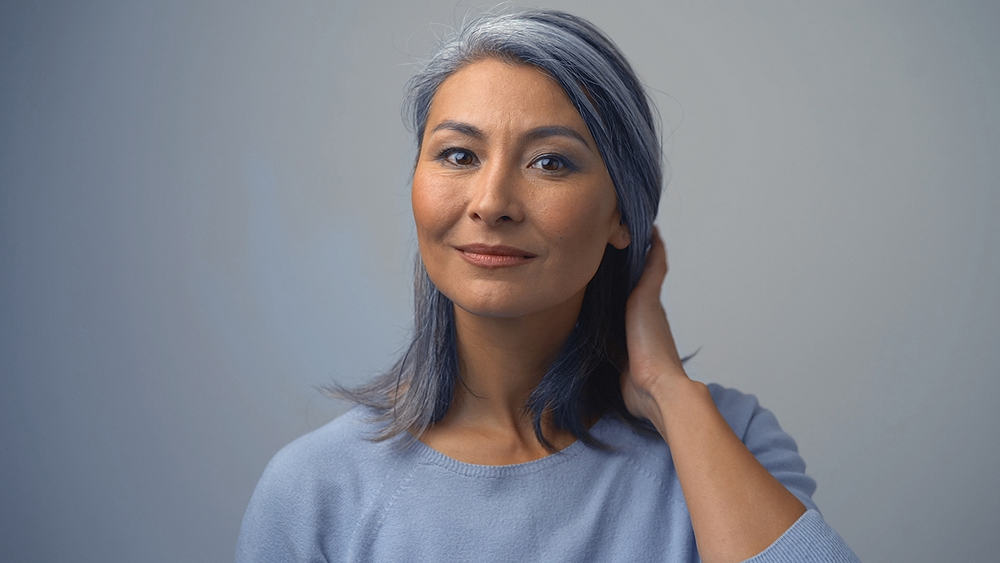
(484,176)
(494,188)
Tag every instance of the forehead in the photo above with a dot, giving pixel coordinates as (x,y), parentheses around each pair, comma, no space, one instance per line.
(491,93)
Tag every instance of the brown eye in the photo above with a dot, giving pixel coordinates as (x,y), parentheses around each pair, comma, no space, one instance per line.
(550,163)
(459,157)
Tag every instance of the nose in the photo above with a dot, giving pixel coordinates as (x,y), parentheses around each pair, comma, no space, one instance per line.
(495,197)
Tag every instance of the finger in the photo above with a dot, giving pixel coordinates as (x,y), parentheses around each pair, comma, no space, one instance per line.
(656,239)
(656,265)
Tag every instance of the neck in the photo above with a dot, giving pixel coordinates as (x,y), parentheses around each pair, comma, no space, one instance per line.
(501,361)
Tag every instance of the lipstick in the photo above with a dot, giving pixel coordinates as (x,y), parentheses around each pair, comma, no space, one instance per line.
(486,256)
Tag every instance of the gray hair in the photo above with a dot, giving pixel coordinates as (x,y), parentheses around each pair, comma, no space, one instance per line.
(582,382)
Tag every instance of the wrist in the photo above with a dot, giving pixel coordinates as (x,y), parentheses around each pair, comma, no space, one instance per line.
(673,396)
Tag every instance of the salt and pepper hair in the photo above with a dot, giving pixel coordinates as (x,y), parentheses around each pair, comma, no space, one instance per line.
(583,382)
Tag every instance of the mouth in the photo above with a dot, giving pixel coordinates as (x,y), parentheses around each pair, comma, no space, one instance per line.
(487,256)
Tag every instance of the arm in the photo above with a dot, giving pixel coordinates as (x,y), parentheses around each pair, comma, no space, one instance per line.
(737,507)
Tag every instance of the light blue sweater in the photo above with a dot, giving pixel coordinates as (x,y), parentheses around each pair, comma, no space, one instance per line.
(332,495)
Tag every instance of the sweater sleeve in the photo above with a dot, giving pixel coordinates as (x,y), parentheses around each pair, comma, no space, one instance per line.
(810,538)
(281,521)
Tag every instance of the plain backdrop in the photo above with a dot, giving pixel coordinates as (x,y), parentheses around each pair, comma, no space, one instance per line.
(205,215)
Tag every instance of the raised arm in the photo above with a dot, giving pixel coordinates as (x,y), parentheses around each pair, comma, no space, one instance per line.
(738,508)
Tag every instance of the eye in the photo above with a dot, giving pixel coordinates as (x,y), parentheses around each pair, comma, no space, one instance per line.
(457,157)
(551,163)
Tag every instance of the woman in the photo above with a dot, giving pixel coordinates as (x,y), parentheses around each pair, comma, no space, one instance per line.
(542,411)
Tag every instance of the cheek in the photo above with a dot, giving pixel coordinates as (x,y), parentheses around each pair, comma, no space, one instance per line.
(433,210)
(580,223)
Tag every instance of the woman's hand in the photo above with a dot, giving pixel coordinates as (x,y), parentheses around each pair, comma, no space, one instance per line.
(654,364)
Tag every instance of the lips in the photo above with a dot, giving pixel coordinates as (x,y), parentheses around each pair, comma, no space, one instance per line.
(499,256)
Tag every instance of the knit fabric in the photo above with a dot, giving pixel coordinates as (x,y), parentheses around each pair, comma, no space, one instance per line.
(333,495)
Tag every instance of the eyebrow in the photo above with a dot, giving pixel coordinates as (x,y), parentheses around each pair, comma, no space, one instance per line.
(458,126)
(533,135)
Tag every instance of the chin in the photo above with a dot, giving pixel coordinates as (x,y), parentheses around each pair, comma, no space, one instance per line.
(528,303)
(511,298)
(492,307)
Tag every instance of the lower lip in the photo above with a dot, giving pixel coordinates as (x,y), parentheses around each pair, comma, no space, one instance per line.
(494,260)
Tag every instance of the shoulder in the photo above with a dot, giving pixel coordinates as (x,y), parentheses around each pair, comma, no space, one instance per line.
(742,411)
(314,483)
(738,408)
(330,446)
(756,427)
(315,461)
(338,459)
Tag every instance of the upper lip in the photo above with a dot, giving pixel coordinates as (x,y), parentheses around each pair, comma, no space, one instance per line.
(496,250)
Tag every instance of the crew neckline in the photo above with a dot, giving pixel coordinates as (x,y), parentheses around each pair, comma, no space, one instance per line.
(429,456)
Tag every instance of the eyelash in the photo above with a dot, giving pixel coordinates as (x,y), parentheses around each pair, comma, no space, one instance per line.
(565,164)
(448,152)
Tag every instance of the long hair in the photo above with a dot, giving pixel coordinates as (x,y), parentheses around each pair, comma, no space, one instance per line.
(583,381)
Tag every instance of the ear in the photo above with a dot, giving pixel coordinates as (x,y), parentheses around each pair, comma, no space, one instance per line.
(620,237)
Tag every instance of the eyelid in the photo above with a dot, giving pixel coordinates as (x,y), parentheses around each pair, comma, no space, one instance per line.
(442,156)
(567,164)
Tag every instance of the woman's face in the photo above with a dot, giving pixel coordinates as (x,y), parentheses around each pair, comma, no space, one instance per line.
(512,202)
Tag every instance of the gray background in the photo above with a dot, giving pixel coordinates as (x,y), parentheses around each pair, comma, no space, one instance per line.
(205,214)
